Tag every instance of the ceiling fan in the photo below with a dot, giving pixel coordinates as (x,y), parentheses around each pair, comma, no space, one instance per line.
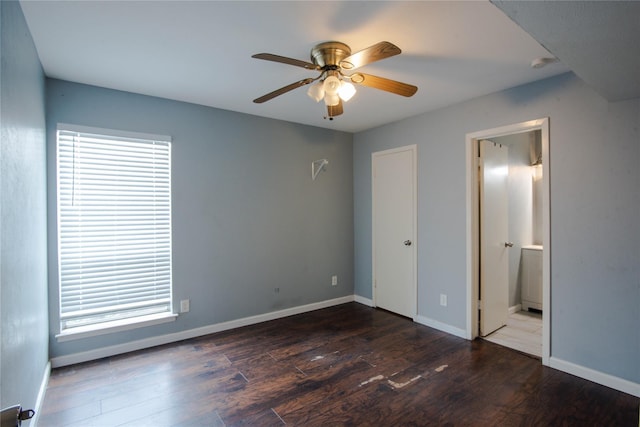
(333,59)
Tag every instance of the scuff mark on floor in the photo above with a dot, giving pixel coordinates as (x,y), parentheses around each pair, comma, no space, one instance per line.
(372,379)
(301,371)
(278,415)
(441,368)
(320,357)
(400,385)
(366,361)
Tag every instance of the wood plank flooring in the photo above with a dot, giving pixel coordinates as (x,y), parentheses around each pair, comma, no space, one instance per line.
(344,365)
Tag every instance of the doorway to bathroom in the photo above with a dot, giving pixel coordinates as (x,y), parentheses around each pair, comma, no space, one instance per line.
(508,236)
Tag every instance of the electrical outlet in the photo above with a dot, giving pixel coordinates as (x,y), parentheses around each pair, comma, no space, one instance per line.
(334,280)
(276,290)
(443,300)
(184,306)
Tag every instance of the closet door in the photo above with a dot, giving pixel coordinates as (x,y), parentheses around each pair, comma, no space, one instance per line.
(394,230)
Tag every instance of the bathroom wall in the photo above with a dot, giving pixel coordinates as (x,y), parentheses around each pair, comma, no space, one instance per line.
(521,210)
(537,205)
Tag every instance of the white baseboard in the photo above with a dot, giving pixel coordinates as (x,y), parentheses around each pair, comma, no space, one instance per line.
(362,300)
(516,308)
(601,378)
(422,320)
(41,392)
(192,333)
(441,327)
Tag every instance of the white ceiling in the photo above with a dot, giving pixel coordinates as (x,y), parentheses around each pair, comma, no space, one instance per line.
(200,52)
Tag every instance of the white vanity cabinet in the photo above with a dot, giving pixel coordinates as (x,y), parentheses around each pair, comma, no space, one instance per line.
(532,277)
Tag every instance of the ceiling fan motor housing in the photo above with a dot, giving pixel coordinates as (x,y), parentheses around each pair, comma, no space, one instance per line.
(329,54)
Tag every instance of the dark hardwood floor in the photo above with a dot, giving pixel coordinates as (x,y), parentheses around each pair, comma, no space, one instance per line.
(344,365)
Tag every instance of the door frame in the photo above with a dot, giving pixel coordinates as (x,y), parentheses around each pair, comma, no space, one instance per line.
(414,238)
(472,226)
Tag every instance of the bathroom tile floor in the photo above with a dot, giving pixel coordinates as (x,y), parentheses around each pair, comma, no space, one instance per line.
(523,332)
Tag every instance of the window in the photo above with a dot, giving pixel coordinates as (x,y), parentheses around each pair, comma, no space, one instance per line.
(114,227)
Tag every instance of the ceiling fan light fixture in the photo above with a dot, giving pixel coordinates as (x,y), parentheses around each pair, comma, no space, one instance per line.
(316,91)
(331,85)
(331,100)
(346,91)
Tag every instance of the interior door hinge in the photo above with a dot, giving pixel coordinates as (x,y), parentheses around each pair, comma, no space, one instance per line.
(479,304)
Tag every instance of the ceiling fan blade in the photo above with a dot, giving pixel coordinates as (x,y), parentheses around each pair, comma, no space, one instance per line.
(381,83)
(285,60)
(335,110)
(371,54)
(282,90)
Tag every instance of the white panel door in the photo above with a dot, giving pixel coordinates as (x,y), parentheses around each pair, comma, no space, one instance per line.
(394,230)
(494,233)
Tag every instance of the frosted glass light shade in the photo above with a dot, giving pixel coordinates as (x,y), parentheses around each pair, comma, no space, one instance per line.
(331,100)
(316,91)
(347,90)
(331,85)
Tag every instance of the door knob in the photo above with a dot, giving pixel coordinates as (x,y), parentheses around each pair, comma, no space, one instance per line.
(508,244)
(407,242)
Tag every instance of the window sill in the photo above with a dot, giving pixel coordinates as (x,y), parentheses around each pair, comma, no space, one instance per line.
(115,326)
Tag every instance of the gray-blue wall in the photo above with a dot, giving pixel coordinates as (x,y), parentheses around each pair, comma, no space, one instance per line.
(23,237)
(247,218)
(595,205)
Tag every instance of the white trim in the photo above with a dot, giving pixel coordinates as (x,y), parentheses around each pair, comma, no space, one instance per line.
(113,350)
(115,326)
(41,393)
(113,132)
(546,240)
(413,148)
(441,326)
(472,228)
(362,300)
(515,308)
(471,232)
(601,378)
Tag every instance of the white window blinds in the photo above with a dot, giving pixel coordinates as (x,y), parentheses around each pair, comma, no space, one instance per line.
(114,226)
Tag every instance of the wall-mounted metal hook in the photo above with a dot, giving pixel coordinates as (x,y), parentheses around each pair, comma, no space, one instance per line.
(317,166)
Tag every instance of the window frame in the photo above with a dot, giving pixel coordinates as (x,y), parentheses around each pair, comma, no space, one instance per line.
(110,326)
